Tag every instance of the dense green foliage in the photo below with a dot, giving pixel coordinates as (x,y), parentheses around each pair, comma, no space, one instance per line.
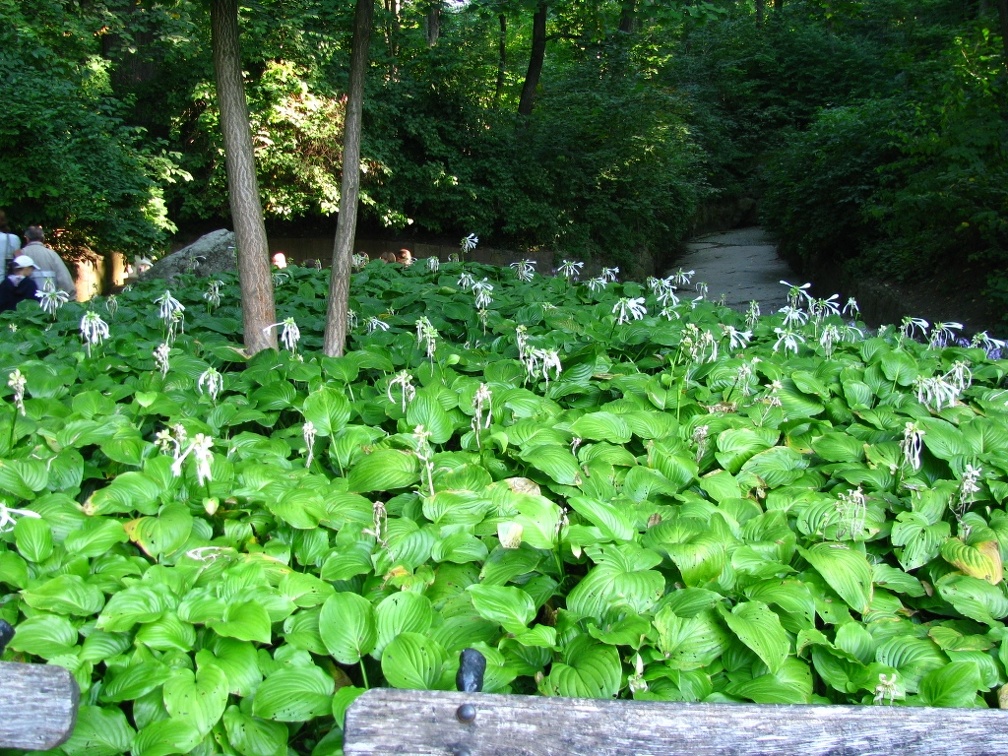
(607,491)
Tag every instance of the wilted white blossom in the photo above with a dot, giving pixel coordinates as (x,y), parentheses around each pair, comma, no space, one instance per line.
(851,506)
(911,445)
(376,324)
(18,382)
(969,487)
(851,308)
(210,382)
(168,306)
(829,337)
(541,362)
(596,284)
(793,316)
(521,341)
(212,294)
(524,270)
(702,289)
(200,451)
(736,339)
(405,383)
(93,330)
(359,260)
(909,326)
(481,404)
(936,392)
(111,305)
(468,243)
(427,336)
(570,269)
(629,308)
(351,319)
(433,264)
(308,432)
(752,314)
(822,308)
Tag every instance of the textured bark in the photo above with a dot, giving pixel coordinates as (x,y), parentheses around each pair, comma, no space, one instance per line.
(536,58)
(434,22)
(628,17)
(38,706)
(258,307)
(339,282)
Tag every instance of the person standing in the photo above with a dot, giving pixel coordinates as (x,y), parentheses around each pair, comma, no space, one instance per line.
(49,264)
(19,285)
(9,243)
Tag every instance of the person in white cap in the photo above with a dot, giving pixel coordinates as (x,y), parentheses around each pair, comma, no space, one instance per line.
(48,264)
(19,285)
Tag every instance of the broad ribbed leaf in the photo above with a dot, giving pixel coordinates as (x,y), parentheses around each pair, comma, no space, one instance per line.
(954,685)
(33,538)
(384,470)
(616,523)
(402,612)
(980,561)
(65,594)
(589,670)
(166,736)
(608,586)
(44,635)
(847,571)
(920,540)
(95,537)
(943,439)
(253,736)
(294,694)
(245,620)
(756,625)
(511,607)
(426,410)
(413,661)
(348,627)
(99,732)
(601,426)
(556,461)
(973,597)
(200,699)
(690,642)
(327,409)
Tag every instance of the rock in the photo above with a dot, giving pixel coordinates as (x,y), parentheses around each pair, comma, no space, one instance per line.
(210,255)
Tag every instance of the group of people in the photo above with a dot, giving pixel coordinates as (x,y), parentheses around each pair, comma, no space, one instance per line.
(31,268)
(403,257)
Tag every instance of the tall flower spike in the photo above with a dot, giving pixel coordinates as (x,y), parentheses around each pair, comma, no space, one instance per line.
(433,264)
(481,402)
(468,243)
(308,432)
(570,269)
(524,270)
(168,306)
(18,382)
(212,295)
(482,290)
(427,336)
(210,382)
(405,382)
(629,308)
(50,299)
(161,354)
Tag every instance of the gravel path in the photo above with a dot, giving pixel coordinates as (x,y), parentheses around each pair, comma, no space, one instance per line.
(740,265)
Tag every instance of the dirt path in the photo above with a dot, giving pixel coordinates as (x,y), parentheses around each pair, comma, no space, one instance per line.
(740,265)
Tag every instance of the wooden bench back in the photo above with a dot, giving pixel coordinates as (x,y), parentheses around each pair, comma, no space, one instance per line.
(389,721)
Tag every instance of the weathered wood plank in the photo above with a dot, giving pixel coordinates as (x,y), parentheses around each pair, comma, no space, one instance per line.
(38,706)
(389,721)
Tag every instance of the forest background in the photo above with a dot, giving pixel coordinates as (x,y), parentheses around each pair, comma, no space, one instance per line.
(871,136)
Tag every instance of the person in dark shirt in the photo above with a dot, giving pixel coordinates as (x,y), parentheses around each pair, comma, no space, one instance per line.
(18,285)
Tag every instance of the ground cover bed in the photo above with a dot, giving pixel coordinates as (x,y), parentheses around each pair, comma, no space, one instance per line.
(610,489)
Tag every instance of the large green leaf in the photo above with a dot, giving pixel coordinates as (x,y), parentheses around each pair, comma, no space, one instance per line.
(65,594)
(327,409)
(556,461)
(384,470)
(690,642)
(426,410)
(348,626)
(954,685)
(847,572)
(589,670)
(99,731)
(973,597)
(756,625)
(294,694)
(601,426)
(403,612)
(616,523)
(253,736)
(200,699)
(511,607)
(414,661)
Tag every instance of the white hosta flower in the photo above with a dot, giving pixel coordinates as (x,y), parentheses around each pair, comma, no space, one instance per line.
(468,243)
(596,284)
(161,358)
(752,314)
(8,515)
(909,326)
(665,292)
(943,334)
(425,453)
(702,289)
(790,340)
(376,324)
(541,362)
(798,294)
(736,339)
(524,270)
(200,451)
(466,281)
(51,299)
(93,330)
(18,382)
(969,485)
(510,534)
(682,277)
(823,308)
(936,392)
(793,316)
(433,264)
(405,383)
(888,689)
(426,335)
(570,269)
(212,295)
(828,339)
(482,290)
(701,439)
(609,274)
(176,324)
(308,432)
(280,277)
(629,308)
(959,375)
(911,445)
(210,382)
(359,260)
(852,309)
(983,341)
(521,341)
(290,334)
(168,306)
(351,319)
(851,507)
(111,305)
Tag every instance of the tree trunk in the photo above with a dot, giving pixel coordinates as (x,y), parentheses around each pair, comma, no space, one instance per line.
(392,26)
(628,17)
(1002,6)
(535,59)
(501,58)
(339,282)
(434,23)
(258,307)
(760,11)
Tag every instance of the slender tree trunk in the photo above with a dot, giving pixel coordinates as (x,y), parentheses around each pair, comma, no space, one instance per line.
(536,58)
(434,22)
(258,307)
(346,227)
(628,16)
(760,11)
(501,57)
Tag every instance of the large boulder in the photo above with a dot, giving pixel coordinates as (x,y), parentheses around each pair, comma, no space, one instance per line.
(210,255)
